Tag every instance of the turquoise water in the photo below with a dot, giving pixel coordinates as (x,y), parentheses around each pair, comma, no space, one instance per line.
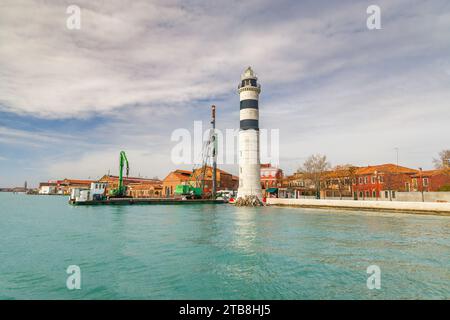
(217,252)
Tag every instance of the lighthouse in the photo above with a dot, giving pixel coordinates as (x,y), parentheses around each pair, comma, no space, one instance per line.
(249,163)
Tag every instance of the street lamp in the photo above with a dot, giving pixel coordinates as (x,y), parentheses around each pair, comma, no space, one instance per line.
(377,185)
(421,184)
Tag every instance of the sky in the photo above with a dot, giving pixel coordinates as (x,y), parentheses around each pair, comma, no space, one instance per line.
(135,71)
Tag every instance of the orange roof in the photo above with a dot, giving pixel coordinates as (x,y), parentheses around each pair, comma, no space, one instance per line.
(384,168)
(182,175)
(145,186)
(430,173)
(210,168)
(134,179)
(183,171)
(76,181)
(337,173)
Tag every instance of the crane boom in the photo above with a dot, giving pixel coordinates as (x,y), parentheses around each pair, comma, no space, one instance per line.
(121,188)
(123,160)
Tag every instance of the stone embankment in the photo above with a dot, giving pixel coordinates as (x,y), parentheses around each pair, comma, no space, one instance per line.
(401,206)
(248,201)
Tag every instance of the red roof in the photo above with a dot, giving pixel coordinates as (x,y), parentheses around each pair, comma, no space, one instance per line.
(430,173)
(183,171)
(384,168)
(75,181)
(134,179)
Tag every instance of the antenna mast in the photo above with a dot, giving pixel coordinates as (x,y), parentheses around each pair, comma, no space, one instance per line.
(214,151)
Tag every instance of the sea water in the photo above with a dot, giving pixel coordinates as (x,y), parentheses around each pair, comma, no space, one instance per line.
(217,252)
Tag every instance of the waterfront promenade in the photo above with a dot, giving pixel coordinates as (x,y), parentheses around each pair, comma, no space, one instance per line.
(401,206)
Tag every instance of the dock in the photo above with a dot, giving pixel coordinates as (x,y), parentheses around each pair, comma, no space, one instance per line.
(144,201)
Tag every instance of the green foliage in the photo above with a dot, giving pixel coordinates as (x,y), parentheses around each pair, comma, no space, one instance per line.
(445,188)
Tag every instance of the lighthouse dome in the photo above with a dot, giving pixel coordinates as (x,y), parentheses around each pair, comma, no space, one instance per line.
(248,74)
(249,81)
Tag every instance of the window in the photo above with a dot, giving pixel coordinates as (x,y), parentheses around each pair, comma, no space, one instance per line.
(381,179)
(361,195)
(386,194)
(373,180)
(365,180)
(367,194)
(374,194)
(360,180)
(393,194)
(425,182)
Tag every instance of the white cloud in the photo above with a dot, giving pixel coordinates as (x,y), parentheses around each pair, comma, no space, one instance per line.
(150,67)
(95,164)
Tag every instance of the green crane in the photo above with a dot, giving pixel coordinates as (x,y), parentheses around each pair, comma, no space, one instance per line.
(121,189)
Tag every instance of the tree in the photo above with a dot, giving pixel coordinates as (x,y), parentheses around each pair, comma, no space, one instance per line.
(394,181)
(443,161)
(314,168)
(345,174)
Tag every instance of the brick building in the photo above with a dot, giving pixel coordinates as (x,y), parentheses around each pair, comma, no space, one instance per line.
(145,190)
(173,179)
(271,177)
(113,182)
(338,183)
(381,181)
(298,185)
(47,188)
(225,180)
(431,180)
(65,186)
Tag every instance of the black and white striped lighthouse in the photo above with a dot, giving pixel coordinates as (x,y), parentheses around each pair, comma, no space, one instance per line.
(249,161)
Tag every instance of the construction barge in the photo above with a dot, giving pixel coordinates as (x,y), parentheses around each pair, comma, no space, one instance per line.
(143,201)
(186,193)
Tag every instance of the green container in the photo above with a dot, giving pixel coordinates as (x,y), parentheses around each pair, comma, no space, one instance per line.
(187,190)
